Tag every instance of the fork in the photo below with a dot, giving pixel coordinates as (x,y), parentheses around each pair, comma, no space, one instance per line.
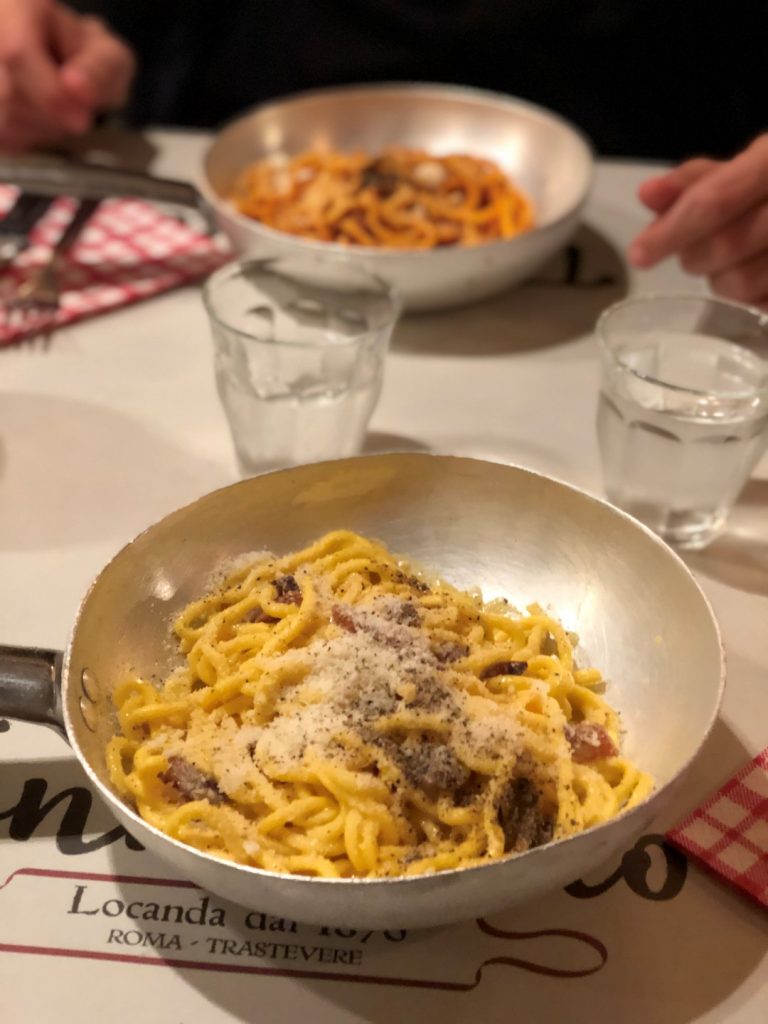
(39,294)
(16,226)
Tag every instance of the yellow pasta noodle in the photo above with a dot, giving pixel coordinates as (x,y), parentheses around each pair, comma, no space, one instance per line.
(340,715)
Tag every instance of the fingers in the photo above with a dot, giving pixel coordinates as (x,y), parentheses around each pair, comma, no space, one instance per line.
(6,90)
(659,193)
(30,66)
(97,67)
(706,206)
(737,243)
(34,106)
(57,69)
(714,217)
(747,282)
(10,136)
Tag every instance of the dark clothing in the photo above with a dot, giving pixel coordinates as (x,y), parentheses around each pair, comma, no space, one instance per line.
(644,78)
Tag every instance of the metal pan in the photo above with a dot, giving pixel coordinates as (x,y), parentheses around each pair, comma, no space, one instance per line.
(540,151)
(640,615)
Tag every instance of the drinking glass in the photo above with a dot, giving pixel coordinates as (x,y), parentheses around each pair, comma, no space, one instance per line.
(299,356)
(683,410)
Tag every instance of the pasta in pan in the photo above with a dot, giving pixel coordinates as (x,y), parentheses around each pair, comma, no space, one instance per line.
(340,715)
(403,199)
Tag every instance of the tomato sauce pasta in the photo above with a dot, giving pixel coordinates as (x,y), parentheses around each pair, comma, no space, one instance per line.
(401,199)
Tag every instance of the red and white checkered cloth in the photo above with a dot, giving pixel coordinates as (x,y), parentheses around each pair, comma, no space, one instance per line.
(728,833)
(128,251)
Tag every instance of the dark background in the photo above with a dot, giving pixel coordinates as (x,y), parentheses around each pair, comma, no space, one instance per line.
(650,78)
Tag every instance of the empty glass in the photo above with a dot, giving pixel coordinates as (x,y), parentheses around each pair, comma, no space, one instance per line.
(683,410)
(299,356)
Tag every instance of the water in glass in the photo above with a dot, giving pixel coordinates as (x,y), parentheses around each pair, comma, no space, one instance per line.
(682,421)
(299,357)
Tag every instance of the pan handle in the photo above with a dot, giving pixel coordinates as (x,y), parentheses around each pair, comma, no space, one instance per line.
(93,181)
(30,686)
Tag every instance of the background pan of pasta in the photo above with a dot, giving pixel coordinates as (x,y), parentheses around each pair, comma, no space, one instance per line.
(542,154)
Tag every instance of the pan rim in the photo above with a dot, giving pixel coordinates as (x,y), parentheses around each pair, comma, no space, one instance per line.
(424,89)
(112,799)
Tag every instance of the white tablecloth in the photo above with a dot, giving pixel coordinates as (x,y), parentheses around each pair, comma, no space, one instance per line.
(117,422)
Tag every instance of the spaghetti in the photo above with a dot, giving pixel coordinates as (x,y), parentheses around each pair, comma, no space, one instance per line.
(402,199)
(339,715)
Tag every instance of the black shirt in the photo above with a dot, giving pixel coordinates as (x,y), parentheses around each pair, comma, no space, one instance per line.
(643,78)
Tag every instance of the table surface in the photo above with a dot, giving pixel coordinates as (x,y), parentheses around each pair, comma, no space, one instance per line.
(115,423)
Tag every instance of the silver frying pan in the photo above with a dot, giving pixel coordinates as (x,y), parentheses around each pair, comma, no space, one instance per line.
(640,615)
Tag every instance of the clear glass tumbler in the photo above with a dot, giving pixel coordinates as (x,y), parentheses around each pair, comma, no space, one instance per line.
(683,410)
(299,357)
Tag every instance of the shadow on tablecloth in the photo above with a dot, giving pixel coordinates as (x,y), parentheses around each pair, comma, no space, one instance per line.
(561,303)
(71,471)
(378,443)
(739,556)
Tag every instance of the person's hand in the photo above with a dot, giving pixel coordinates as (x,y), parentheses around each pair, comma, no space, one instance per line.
(714,216)
(58,70)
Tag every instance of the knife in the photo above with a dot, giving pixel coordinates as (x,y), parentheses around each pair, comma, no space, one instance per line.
(93,181)
(56,177)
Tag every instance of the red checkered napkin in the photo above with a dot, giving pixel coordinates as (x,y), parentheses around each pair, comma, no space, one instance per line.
(128,251)
(728,833)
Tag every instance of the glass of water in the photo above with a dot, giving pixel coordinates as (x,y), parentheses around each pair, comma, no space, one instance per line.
(299,356)
(683,410)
